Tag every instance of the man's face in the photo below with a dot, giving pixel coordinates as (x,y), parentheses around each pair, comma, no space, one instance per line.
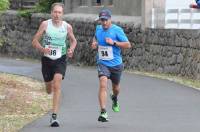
(57,13)
(106,23)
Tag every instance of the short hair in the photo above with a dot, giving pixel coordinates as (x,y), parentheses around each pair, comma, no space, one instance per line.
(57,4)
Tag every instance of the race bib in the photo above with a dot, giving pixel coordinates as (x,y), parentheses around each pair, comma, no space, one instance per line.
(55,52)
(105,52)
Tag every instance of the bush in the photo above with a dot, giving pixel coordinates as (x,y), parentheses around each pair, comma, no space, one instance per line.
(45,5)
(4,5)
(25,13)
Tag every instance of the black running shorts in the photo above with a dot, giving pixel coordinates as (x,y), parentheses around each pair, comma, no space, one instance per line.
(113,73)
(50,67)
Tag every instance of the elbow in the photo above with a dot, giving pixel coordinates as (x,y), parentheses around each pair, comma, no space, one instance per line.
(34,43)
(75,42)
(129,45)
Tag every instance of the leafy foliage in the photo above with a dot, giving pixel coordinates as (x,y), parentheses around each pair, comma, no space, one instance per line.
(45,5)
(4,5)
(26,13)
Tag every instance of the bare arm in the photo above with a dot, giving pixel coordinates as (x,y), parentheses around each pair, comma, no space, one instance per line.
(124,45)
(72,40)
(35,43)
(94,43)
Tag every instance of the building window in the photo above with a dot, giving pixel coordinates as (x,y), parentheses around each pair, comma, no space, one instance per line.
(83,3)
(98,2)
(110,2)
(101,2)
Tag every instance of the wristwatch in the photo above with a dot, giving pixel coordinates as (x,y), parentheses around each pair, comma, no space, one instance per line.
(115,44)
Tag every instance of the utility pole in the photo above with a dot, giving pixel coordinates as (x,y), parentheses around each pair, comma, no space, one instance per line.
(159,13)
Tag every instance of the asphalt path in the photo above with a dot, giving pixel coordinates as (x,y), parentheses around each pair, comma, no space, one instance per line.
(147,104)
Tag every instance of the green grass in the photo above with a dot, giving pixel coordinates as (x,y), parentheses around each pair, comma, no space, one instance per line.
(178,79)
(181,80)
(22,100)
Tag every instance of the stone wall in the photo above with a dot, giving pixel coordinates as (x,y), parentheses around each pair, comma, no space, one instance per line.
(22,4)
(166,51)
(16,35)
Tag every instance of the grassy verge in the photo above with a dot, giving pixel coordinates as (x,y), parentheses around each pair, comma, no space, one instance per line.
(178,79)
(22,100)
(181,80)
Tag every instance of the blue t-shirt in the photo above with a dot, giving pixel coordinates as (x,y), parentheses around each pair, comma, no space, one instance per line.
(198,2)
(116,33)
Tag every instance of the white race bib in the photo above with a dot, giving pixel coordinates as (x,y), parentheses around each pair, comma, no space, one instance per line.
(55,52)
(105,52)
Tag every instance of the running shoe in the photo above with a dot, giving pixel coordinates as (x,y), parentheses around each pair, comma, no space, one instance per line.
(115,104)
(103,117)
(54,122)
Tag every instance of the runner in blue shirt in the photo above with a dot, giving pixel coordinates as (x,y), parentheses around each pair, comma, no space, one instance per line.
(197,5)
(109,39)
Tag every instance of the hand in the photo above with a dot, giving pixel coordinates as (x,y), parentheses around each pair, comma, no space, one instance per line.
(109,41)
(70,52)
(46,50)
(94,45)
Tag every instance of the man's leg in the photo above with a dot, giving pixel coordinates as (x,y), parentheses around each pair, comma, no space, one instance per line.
(56,99)
(115,89)
(114,95)
(115,78)
(103,73)
(56,91)
(47,74)
(103,80)
(102,98)
(49,87)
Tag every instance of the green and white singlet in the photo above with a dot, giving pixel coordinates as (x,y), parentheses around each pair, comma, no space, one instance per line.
(55,39)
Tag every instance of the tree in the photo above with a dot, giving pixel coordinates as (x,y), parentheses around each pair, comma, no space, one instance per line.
(45,5)
(4,5)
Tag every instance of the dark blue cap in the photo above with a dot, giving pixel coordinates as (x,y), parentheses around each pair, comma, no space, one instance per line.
(105,14)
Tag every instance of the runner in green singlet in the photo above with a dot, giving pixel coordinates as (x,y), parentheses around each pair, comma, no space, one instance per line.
(55,32)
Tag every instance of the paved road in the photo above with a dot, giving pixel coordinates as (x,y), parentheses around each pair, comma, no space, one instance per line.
(147,104)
